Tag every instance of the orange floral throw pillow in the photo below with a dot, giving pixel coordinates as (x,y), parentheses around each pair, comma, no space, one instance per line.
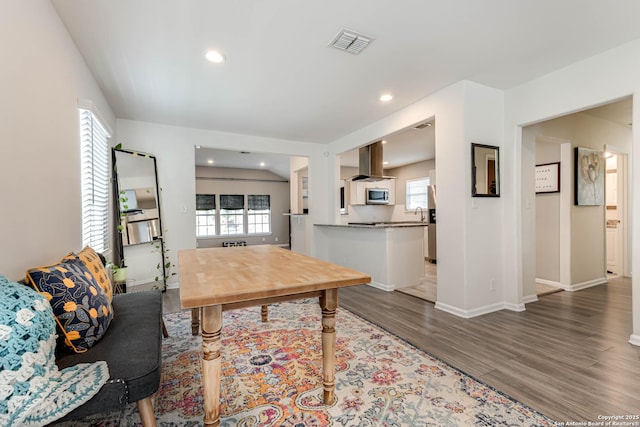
(82,310)
(93,262)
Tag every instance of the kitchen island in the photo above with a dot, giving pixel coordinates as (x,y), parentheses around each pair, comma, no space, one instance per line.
(392,253)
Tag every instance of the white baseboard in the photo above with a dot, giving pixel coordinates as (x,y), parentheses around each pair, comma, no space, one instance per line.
(551,283)
(381,286)
(467,314)
(175,285)
(451,309)
(576,286)
(514,307)
(588,284)
(634,340)
(529,298)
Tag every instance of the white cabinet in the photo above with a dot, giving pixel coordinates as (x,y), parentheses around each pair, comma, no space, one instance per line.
(357,193)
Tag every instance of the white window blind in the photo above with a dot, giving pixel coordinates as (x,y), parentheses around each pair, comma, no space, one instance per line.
(94,159)
(231,214)
(416,193)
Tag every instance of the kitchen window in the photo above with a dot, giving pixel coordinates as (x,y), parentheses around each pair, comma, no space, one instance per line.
(416,193)
(259,214)
(205,215)
(231,214)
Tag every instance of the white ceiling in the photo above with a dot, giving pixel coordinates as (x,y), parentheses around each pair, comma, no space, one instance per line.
(406,147)
(281,80)
(275,163)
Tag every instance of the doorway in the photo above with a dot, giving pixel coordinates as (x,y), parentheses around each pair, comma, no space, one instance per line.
(576,246)
(615,221)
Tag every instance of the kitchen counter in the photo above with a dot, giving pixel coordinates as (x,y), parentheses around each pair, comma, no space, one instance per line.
(392,224)
(392,253)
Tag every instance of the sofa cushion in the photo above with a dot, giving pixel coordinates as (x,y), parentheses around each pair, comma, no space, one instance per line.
(33,392)
(92,260)
(83,312)
(132,347)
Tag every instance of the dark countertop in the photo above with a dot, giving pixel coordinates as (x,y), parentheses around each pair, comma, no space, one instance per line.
(390,224)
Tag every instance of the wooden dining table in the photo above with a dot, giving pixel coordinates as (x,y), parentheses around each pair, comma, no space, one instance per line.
(213,280)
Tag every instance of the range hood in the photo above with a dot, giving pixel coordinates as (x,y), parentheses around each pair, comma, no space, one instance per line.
(370,163)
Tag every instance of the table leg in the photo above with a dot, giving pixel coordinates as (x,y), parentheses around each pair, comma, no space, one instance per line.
(328,304)
(211,363)
(264,311)
(195,321)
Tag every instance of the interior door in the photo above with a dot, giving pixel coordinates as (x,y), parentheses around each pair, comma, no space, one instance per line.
(612,217)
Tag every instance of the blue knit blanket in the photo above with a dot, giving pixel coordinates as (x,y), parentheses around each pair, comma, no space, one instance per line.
(33,391)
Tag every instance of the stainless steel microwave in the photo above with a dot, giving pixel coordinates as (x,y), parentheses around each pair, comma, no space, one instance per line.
(377,196)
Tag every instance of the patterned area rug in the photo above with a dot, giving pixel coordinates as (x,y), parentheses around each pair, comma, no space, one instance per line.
(272,376)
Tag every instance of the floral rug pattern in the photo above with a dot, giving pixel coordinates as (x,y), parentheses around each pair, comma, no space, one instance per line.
(272,376)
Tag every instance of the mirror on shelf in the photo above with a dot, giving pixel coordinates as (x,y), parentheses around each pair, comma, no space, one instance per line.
(139,238)
(485,171)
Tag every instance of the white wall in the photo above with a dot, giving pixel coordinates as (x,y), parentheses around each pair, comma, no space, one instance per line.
(600,79)
(548,218)
(42,77)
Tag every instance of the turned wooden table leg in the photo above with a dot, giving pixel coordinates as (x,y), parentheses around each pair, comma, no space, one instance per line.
(195,321)
(328,303)
(264,311)
(211,363)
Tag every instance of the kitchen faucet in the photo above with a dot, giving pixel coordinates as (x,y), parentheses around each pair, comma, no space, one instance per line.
(421,213)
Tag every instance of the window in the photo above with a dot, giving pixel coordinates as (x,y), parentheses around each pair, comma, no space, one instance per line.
(259,214)
(94,158)
(205,215)
(231,214)
(416,193)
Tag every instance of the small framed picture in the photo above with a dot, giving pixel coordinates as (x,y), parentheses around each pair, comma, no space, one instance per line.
(548,178)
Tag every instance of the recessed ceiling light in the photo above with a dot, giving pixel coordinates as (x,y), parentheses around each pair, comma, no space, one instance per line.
(262,164)
(385,163)
(384,141)
(210,161)
(197,147)
(386,97)
(215,56)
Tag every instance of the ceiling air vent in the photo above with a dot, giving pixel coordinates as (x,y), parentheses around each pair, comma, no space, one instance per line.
(423,125)
(351,41)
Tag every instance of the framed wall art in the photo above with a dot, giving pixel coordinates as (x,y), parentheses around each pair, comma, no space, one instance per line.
(548,178)
(589,177)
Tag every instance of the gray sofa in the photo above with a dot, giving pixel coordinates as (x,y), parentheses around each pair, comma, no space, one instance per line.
(132,349)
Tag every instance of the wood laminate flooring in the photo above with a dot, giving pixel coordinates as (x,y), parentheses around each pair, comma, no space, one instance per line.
(542,289)
(567,356)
